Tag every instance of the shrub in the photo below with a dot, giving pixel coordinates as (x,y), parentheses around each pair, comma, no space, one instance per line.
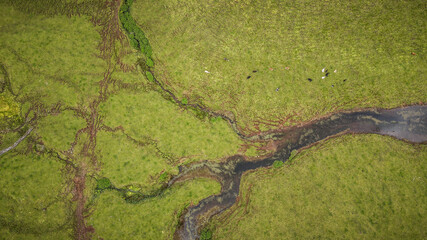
(136,35)
(206,234)
(103,183)
(277,164)
(184,101)
(163,177)
(215,119)
(150,62)
(149,76)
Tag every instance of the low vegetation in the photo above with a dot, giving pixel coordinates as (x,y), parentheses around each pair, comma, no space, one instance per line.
(210,50)
(178,133)
(50,60)
(352,187)
(54,67)
(136,35)
(106,141)
(154,218)
(32,202)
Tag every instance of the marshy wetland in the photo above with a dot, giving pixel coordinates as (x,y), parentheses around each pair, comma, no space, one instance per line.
(243,119)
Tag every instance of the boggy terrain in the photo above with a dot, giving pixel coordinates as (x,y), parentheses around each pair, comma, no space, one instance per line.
(409,123)
(104,117)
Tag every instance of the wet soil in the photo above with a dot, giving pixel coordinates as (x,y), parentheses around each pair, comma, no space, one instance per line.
(407,123)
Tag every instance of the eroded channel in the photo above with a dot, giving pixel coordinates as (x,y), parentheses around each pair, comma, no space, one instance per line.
(407,123)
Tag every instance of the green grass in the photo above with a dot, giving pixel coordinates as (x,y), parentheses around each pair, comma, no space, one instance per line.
(29,184)
(50,59)
(178,132)
(58,131)
(53,59)
(124,162)
(351,187)
(151,219)
(56,7)
(368,43)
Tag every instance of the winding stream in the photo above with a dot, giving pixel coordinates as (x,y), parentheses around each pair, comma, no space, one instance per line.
(408,123)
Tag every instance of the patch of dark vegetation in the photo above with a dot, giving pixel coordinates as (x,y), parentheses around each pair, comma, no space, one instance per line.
(103,184)
(277,164)
(215,119)
(134,193)
(206,234)
(136,35)
(149,76)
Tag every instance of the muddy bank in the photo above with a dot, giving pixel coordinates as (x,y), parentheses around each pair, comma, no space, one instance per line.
(408,123)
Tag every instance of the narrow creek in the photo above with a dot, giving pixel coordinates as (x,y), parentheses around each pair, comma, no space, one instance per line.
(407,123)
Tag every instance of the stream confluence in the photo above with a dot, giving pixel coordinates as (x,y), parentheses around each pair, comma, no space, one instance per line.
(407,123)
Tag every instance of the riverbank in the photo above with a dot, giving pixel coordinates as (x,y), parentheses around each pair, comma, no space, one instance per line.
(409,122)
(354,186)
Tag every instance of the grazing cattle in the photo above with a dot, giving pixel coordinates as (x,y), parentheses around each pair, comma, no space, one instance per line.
(248,77)
(344,80)
(310,79)
(254,71)
(277,89)
(326,74)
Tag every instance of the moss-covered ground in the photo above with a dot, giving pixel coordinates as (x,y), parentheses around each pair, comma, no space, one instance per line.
(351,187)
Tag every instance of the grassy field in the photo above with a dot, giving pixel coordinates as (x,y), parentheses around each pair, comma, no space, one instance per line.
(351,187)
(55,55)
(151,219)
(54,67)
(48,61)
(52,59)
(31,202)
(58,132)
(179,133)
(370,44)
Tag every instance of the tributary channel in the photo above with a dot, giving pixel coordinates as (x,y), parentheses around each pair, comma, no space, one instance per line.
(407,123)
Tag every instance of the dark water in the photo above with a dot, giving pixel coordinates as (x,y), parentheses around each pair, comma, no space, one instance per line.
(408,123)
